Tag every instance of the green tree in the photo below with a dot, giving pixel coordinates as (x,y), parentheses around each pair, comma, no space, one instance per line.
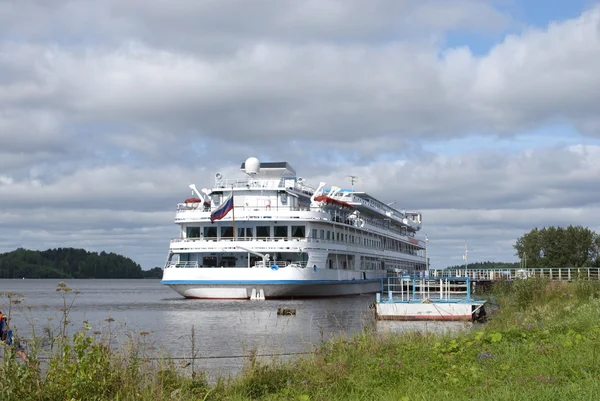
(155,272)
(574,246)
(67,263)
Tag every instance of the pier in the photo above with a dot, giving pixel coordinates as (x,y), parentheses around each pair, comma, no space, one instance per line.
(426,298)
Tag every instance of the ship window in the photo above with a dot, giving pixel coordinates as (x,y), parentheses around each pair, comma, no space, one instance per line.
(245,232)
(226,232)
(328,235)
(228,261)
(263,231)
(322,234)
(280,231)
(314,233)
(193,232)
(298,231)
(210,261)
(210,232)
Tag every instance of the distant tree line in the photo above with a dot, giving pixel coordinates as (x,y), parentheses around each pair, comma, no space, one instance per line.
(574,246)
(486,265)
(70,263)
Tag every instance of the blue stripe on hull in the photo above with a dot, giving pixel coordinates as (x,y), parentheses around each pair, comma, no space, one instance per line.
(267,282)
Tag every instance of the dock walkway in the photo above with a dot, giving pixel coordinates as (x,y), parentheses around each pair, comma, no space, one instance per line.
(552,273)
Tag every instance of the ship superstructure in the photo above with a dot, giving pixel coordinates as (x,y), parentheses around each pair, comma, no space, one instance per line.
(270,234)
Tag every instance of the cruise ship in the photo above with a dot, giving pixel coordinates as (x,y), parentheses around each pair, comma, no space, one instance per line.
(269,234)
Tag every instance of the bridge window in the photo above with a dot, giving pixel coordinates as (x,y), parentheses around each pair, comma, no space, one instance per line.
(280,231)
(263,232)
(245,232)
(298,231)
(314,233)
(226,232)
(193,232)
(210,232)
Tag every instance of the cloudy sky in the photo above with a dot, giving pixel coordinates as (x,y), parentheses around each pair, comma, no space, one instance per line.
(482,114)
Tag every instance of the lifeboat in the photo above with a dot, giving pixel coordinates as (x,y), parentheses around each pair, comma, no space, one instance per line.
(333,202)
(194,203)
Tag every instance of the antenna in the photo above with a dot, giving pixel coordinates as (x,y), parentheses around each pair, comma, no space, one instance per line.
(353,179)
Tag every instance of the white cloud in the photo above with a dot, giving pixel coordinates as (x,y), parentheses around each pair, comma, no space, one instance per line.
(465,197)
(270,89)
(108,111)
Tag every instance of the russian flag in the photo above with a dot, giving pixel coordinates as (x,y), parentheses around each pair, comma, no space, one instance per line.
(222,210)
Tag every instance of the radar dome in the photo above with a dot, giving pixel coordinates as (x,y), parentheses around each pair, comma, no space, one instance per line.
(252,166)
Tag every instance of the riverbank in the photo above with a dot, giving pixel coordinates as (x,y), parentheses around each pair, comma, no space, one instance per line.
(543,343)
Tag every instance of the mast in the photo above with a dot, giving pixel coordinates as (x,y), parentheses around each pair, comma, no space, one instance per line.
(233,215)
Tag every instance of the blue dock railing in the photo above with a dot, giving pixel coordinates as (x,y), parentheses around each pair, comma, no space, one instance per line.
(423,289)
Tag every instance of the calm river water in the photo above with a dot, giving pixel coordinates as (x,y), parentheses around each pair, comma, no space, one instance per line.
(224,330)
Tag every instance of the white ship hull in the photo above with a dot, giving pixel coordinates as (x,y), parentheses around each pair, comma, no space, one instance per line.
(239,283)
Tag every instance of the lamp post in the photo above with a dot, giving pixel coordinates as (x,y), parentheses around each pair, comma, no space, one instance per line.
(466,256)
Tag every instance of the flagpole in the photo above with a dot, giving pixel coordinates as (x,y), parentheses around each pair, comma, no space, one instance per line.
(233,215)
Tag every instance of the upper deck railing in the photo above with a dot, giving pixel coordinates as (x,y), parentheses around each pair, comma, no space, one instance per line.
(187,213)
(266,183)
(232,244)
(408,219)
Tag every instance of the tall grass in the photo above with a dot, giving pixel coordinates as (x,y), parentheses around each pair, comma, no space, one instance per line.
(543,344)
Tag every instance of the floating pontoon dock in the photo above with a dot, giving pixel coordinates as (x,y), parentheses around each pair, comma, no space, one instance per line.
(421,298)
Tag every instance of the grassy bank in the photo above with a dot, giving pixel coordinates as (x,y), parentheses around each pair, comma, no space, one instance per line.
(543,344)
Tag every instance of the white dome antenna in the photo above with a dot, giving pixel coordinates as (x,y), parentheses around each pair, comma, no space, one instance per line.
(252,166)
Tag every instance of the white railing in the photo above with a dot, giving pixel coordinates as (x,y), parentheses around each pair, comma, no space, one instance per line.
(198,207)
(552,273)
(280,264)
(181,264)
(229,242)
(231,239)
(379,207)
(185,213)
(260,264)
(263,183)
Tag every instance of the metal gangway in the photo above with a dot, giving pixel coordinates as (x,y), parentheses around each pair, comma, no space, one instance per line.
(496,274)
(424,289)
